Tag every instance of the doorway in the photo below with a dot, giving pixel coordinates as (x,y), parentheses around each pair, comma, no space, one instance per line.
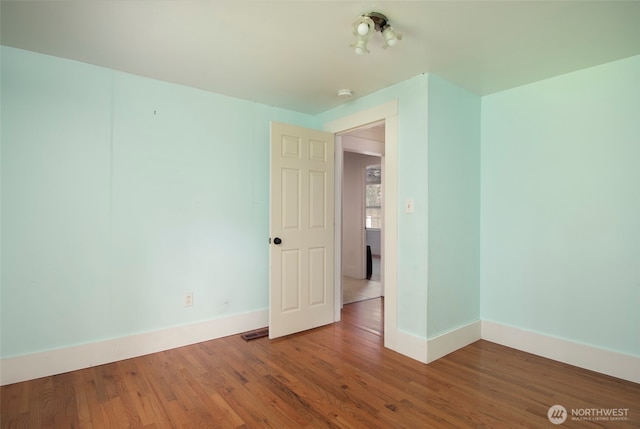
(386,113)
(362,213)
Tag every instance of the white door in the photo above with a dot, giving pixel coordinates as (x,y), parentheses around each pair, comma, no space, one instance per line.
(301,285)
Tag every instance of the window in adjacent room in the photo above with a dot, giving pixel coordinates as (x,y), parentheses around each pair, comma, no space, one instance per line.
(373,197)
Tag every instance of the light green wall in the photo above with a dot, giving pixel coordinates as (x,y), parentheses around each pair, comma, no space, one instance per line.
(454,207)
(119,194)
(55,138)
(560,191)
(439,167)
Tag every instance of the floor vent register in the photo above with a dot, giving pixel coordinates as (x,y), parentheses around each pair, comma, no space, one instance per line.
(252,335)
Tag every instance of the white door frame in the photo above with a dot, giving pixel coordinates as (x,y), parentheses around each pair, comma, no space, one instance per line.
(388,113)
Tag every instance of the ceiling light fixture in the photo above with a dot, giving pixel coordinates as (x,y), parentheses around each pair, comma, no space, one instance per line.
(369,23)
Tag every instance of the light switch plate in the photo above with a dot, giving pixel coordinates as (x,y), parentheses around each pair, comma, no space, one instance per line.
(408,206)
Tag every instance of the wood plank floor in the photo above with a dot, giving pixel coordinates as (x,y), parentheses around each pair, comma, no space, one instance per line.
(337,376)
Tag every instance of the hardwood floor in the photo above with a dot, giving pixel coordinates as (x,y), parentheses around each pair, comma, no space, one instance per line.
(338,376)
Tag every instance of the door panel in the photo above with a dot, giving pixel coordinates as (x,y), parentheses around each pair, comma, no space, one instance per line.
(317,200)
(290,280)
(290,194)
(317,280)
(302,204)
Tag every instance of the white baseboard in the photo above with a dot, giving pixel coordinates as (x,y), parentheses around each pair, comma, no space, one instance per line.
(58,361)
(615,364)
(620,365)
(451,341)
(426,351)
(51,362)
(352,271)
(411,346)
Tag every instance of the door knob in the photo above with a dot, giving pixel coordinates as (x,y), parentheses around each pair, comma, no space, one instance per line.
(277,240)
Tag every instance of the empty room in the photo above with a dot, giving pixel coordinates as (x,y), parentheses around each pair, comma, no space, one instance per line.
(175,181)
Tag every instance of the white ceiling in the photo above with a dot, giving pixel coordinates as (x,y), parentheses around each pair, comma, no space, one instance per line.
(296,54)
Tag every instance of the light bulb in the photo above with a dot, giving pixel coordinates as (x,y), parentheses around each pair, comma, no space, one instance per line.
(363,28)
(360,46)
(390,36)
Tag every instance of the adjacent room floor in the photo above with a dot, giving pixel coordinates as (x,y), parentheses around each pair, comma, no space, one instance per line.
(355,290)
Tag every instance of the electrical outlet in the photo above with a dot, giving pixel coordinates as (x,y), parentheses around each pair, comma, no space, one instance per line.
(188,299)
